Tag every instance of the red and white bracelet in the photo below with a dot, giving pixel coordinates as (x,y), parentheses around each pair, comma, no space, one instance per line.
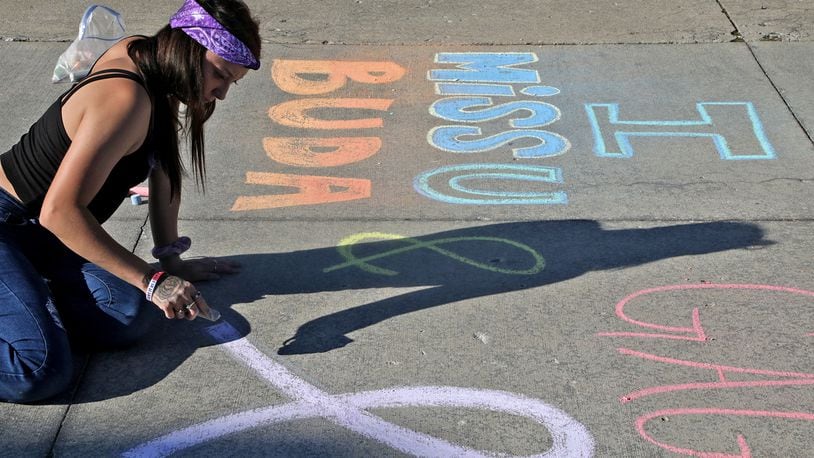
(153,282)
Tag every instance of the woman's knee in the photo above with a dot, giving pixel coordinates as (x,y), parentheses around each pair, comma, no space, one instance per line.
(117,317)
(35,378)
(122,333)
(35,355)
(139,323)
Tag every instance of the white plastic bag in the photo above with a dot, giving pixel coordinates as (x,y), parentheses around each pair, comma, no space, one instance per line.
(101,27)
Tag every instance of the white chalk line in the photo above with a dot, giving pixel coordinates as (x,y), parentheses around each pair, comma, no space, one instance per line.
(569,437)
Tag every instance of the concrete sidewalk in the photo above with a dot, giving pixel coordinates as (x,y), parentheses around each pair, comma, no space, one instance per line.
(516,228)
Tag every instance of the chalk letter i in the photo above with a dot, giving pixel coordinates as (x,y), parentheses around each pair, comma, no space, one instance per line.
(734,128)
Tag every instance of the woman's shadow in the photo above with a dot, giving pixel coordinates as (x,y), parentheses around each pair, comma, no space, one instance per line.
(453,266)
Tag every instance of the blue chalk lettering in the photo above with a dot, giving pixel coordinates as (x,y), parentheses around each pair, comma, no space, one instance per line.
(446,138)
(460,109)
(540,91)
(728,124)
(502,90)
(485,172)
(485,67)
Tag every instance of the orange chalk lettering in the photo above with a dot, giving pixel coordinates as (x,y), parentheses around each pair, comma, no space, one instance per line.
(321,152)
(311,190)
(293,113)
(331,75)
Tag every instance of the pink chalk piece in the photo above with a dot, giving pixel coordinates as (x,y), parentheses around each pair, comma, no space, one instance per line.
(143,191)
(695,333)
(745,451)
(795,378)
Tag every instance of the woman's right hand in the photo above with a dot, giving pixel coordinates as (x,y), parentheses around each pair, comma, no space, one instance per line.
(179,299)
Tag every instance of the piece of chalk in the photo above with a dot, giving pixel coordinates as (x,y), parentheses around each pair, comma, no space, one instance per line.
(140,190)
(135,199)
(210,314)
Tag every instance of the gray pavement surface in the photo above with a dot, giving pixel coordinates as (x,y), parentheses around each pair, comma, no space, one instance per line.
(602,249)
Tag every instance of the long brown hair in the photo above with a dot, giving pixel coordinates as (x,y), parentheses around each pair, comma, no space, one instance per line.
(172,65)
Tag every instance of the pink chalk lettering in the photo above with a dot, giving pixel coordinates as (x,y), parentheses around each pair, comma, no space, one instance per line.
(795,378)
(694,333)
(745,451)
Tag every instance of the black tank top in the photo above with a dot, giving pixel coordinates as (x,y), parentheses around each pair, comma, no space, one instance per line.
(32,163)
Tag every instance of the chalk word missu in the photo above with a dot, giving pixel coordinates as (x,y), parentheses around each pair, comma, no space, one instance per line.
(569,437)
(470,87)
(313,79)
(461,174)
(694,332)
(346,245)
(478,77)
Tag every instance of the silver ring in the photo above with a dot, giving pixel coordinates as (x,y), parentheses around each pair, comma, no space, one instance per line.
(190,305)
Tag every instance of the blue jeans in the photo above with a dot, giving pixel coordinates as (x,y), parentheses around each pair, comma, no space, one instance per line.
(51,299)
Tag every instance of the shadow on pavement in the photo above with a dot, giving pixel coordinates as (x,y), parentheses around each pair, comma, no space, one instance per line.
(569,248)
(454,265)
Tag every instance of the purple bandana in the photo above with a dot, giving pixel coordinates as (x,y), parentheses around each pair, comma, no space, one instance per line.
(206,30)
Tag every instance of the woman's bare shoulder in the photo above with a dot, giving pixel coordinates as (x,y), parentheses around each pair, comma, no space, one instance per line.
(117,57)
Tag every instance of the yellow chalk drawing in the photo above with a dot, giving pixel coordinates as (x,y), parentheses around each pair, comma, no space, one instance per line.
(346,245)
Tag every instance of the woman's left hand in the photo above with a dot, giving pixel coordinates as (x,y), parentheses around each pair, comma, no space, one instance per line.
(200,269)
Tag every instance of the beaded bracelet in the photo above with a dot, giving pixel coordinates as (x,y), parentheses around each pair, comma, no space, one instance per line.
(153,282)
(177,247)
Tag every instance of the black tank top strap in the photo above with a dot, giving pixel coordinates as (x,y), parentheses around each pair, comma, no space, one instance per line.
(103,75)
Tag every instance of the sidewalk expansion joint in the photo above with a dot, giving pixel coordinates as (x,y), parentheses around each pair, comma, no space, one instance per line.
(474,43)
(68,406)
(140,234)
(780,94)
(736,32)
(643,219)
(739,37)
(23,39)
